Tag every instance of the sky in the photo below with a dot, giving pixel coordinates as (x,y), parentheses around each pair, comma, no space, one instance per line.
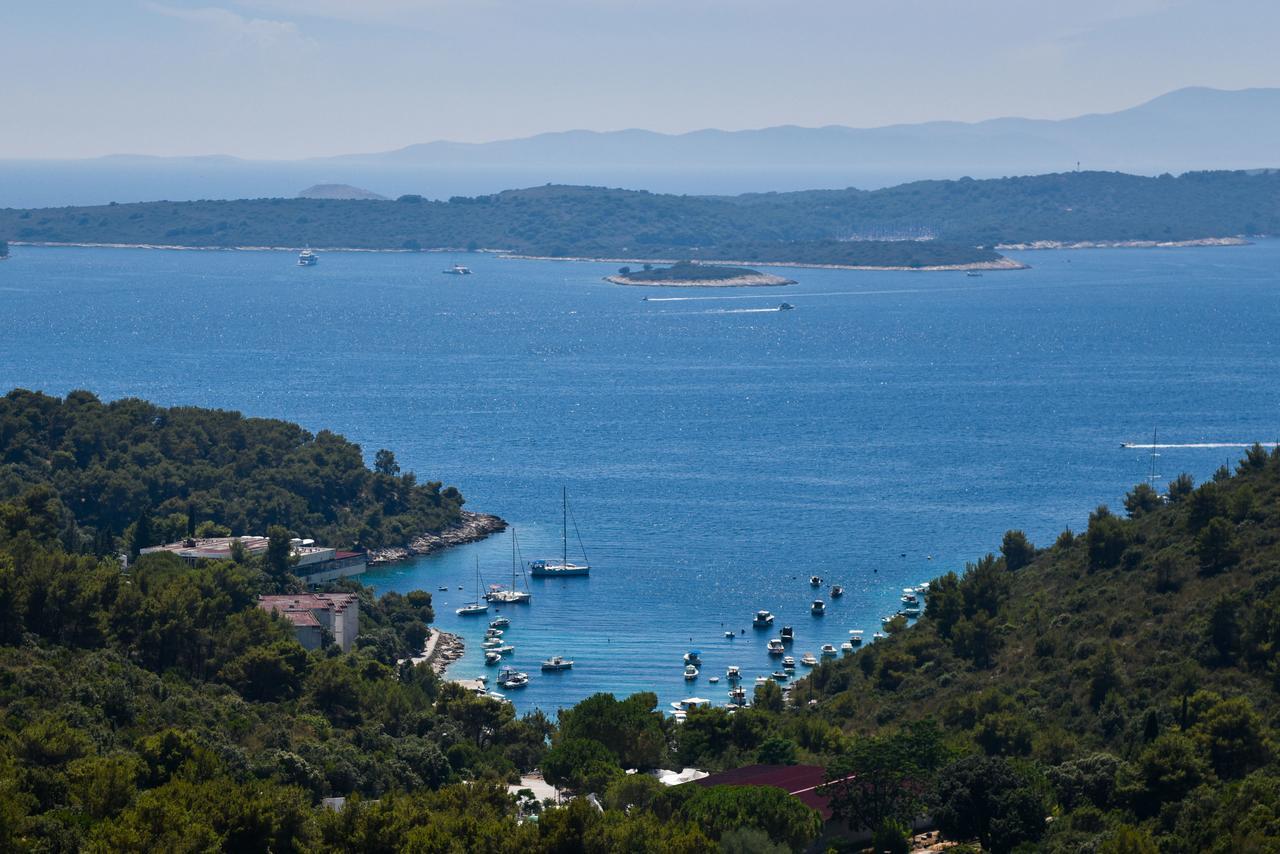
(285,79)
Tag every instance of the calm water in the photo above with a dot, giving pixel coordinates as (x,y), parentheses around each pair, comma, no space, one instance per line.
(716,454)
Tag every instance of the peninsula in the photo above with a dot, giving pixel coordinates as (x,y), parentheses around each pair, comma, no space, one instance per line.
(686,274)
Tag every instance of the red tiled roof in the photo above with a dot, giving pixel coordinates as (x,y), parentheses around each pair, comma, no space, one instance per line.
(799,781)
(301,618)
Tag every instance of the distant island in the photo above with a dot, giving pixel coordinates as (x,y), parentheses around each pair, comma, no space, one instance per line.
(687,274)
(926,225)
(339,191)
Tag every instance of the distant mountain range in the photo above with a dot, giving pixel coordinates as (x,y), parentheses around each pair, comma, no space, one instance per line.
(1189,129)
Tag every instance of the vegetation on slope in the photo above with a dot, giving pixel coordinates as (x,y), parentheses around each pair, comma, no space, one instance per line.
(685,271)
(187,470)
(829,226)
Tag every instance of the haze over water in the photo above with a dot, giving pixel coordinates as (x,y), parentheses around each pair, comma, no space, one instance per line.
(715,454)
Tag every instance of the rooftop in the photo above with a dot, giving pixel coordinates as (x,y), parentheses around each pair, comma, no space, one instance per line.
(799,781)
(288,603)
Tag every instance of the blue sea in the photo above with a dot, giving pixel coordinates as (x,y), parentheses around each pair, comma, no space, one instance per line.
(716,452)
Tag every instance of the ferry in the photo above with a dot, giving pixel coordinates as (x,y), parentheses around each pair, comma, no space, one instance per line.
(548,569)
(307,258)
(457,270)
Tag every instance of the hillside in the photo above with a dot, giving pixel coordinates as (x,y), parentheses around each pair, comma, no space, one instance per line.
(338,191)
(852,227)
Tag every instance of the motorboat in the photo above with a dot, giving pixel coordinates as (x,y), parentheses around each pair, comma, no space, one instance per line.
(738,695)
(788,663)
(776,647)
(690,672)
(887,619)
(909,597)
(491,657)
(492,643)
(693,656)
(762,620)
(509,677)
(688,704)
(734,673)
(443,588)
(499,623)
(815,581)
(855,637)
(557,662)
(457,270)
(780,675)
(713,679)
(472,609)
(505,649)
(808,660)
(836,591)
(818,608)
(910,612)
(828,650)
(786,635)
(307,258)
(492,633)
(846,648)
(974,274)
(563,568)
(786,306)
(730,635)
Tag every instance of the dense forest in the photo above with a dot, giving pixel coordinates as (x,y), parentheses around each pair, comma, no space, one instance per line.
(881,227)
(1121,683)
(187,471)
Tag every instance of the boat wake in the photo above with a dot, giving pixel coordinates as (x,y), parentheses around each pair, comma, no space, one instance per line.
(743,310)
(1150,447)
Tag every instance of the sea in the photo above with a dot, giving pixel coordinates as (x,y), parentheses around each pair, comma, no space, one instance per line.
(716,452)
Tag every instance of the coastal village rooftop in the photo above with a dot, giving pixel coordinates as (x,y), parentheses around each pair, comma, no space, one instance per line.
(312,563)
(311,614)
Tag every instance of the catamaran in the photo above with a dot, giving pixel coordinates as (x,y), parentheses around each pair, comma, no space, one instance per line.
(550,569)
(512,596)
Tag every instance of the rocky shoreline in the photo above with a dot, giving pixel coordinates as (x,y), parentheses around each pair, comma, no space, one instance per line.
(756,280)
(472,527)
(441,649)
(1123,244)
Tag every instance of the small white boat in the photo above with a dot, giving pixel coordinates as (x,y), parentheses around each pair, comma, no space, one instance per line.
(557,662)
(855,636)
(818,608)
(493,633)
(878,636)
(738,696)
(775,647)
(472,609)
(491,657)
(734,673)
(815,581)
(492,643)
(689,703)
(808,660)
(828,651)
(505,649)
(512,678)
(786,306)
(730,635)
(786,635)
(788,663)
(307,258)
(713,679)
(458,270)
(780,675)
(499,623)
(846,648)
(762,620)
(910,598)
(690,672)
(910,612)
(836,591)
(443,589)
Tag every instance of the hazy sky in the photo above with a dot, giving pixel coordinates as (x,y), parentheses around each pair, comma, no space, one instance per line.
(296,78)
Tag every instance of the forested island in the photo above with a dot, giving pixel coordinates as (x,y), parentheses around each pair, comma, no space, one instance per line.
(926,224)
(1113,692)
(689,274)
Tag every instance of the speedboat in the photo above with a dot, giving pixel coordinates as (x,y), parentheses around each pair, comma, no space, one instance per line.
(492,643)
(887,619)
(818,608)
(505,649)
(443,588)
(556,662)
(780,675)
(836,591)
(846,648)
(776,647)
(786,635)
(491,657)
(910,612)
(509,677)
(763,619)
(492,632)
(457,270)
(730,635)
(690,672)
(808,660)
(307,258)
(738,696)
(909,597)
(974,274)
(499,623)
(734,673)
(472,609)
(693,656)
(713,679)
(828,651)
(688,704)
(786,306)
(788,663)
(855,637)
(815,581)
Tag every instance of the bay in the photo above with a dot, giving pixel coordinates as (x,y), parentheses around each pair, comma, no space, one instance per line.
(716,452)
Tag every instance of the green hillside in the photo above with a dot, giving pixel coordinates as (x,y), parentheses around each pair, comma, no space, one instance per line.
(881,227)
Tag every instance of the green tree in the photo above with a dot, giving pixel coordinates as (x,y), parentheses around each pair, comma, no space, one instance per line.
(580,764)
(720,809)
(1143,498)
(988,798)
(885,779)
(1215,546)
(1017,550)
(1235,738)
(767,696)
(1106,539)
(384,462)
(280,558)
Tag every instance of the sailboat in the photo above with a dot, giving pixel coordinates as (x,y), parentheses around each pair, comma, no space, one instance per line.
(512,596)
(479,606)
(551,569)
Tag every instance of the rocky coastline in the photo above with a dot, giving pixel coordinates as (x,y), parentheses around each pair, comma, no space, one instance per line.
(756,280)
(472,527)
(1123,244)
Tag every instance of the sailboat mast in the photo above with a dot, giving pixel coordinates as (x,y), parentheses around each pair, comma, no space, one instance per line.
(564,526)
